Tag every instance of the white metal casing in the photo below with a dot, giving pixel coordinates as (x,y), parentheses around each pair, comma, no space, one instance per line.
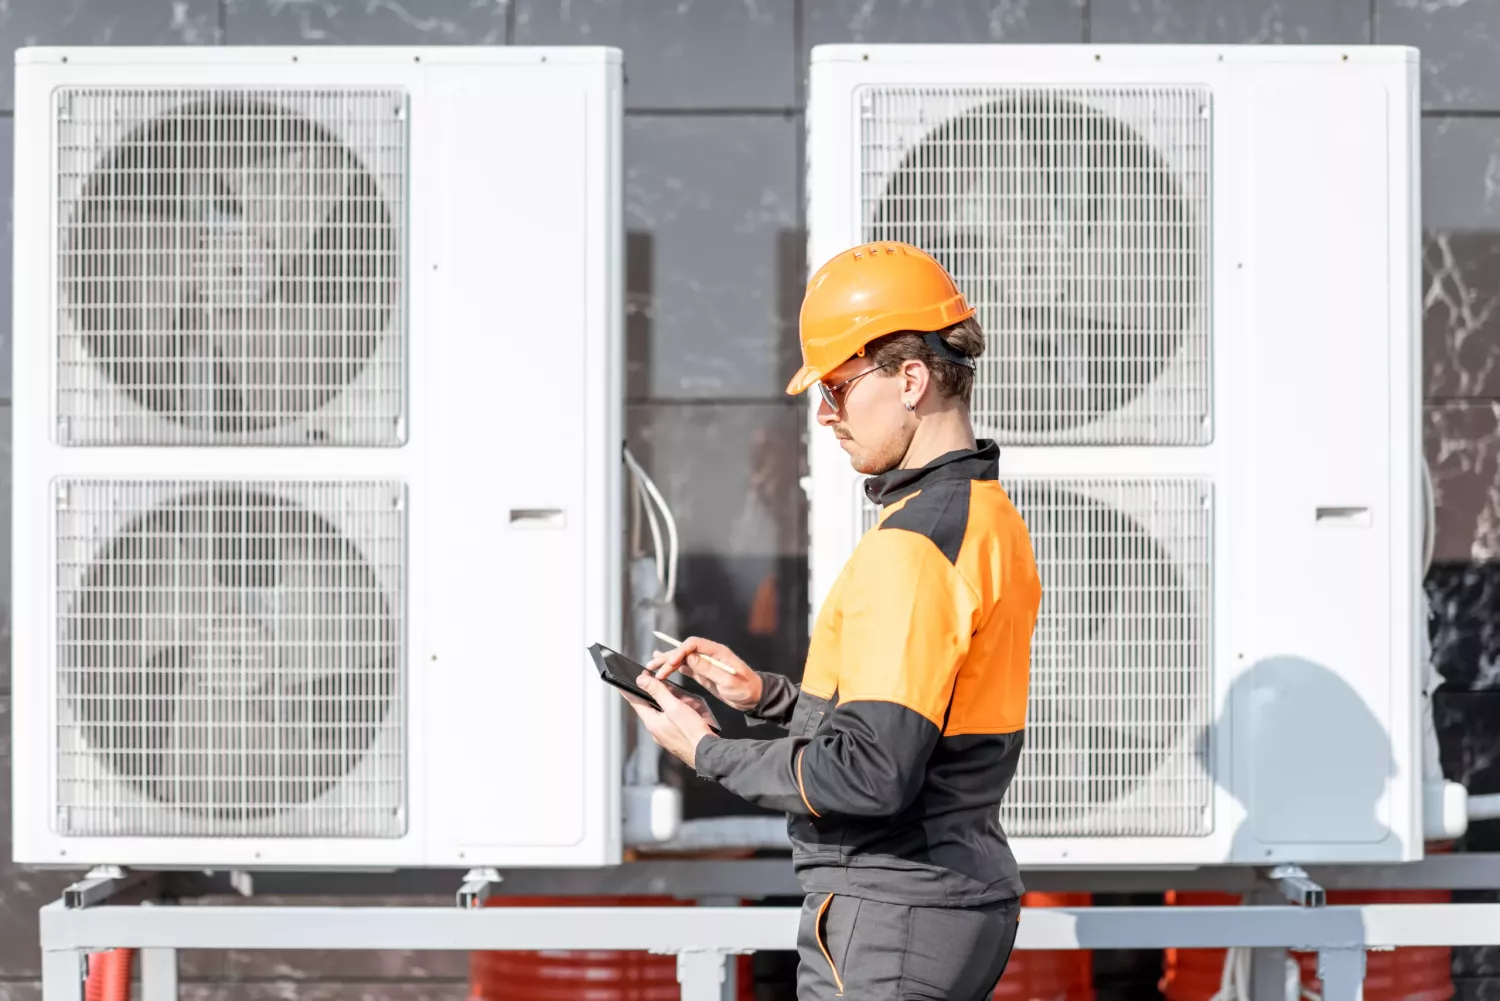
(488,514)
(1298,505)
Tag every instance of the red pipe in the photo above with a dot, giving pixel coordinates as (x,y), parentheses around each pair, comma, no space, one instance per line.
(109,975)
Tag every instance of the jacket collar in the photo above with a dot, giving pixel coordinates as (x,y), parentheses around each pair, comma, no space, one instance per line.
(979,463)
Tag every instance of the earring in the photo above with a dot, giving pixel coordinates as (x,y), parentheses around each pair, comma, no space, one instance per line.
(911,406)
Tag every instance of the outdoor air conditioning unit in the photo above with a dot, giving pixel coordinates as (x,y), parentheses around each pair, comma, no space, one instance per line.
(317,431)
(1197,268)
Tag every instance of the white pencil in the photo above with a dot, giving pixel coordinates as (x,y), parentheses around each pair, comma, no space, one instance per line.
(716,663)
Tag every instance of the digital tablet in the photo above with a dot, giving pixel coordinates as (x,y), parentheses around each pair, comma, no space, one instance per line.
(620,671)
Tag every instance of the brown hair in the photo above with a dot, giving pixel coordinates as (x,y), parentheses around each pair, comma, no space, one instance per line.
(952,380)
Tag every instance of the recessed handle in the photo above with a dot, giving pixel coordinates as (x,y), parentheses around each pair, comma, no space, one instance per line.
(538,517)
(1350,516)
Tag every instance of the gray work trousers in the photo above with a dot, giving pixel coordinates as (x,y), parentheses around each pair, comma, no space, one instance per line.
(865,950)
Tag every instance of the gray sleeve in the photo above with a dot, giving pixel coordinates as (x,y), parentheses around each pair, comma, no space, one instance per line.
(778,697)
(762,772)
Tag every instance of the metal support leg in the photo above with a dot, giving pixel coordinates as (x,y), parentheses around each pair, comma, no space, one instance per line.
(477,886)
(62,976)
(158,975)
(1268,975)
(730,988)
(1343,974)
(701,974)
(1297,887)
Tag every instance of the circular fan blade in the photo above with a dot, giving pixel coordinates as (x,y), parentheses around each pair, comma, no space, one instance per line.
(1068,232)
(231,654)
(231,265)
(1118,676)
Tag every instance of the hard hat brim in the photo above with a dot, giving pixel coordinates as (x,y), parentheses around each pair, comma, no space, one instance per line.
(803,380)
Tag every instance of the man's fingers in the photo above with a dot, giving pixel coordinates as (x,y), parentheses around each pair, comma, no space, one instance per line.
(671,705)
(685,667)
(651,685)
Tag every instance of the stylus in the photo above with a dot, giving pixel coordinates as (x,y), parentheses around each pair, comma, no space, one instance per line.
(716,663)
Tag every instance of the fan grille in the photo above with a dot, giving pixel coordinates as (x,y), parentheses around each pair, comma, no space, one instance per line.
(1120,704)
(230,265)
(1075,220)
(231,658)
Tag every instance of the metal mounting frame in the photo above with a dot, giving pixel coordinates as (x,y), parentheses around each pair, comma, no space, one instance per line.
(97,913)
(703,937)
(772,876)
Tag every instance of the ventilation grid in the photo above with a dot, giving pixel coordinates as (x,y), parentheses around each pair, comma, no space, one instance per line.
(231,659)
(1075,219)
(1120,702)
(230,265)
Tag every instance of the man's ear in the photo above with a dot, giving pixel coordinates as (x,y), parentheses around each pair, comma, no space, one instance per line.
(916,378)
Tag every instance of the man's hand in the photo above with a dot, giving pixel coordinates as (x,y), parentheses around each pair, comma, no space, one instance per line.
(741,690)
(678,727)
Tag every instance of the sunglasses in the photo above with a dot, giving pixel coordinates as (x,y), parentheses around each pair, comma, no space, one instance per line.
(833,395)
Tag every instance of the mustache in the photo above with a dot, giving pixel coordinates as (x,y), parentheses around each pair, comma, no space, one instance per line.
(841,432)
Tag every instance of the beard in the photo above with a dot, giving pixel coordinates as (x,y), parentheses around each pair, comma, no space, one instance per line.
(872,460)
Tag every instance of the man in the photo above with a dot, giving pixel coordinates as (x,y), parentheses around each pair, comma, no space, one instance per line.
(907,726)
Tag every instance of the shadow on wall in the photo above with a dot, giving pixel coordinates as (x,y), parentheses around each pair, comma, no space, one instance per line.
(1306,731)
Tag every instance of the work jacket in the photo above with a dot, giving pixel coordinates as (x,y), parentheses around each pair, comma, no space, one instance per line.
(905,732)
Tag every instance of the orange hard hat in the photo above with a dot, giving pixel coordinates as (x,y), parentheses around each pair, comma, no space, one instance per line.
(867,292)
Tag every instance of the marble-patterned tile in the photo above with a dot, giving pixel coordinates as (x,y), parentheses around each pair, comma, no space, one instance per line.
(1457,39)
(101,22)
(1461,314)
(365,22)
(1230,21)
(23,891)
(1462,599)
(1460,174)
(1476,969)
(680,54)
(1474,988)
(1468,731)
(941,21)
(1461,441)
(1461,257)
(715,267)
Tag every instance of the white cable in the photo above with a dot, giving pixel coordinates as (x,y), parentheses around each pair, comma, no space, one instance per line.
(1234,979)
(641,498)
(666,512)
(655,526)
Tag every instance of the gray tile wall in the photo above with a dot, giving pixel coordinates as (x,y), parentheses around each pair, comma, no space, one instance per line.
(713,202)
